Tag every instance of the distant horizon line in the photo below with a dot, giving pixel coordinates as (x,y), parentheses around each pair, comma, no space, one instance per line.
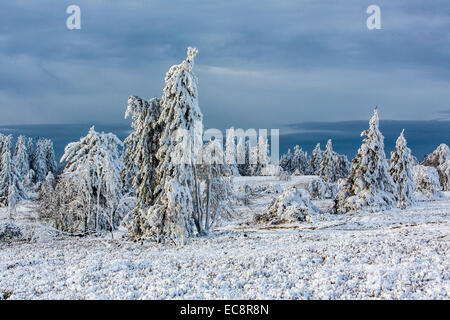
(283,125)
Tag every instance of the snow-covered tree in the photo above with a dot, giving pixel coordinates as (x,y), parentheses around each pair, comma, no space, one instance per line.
(176,213)
(43,159)
(438,159)
(327,170)
(140,158)
(230,151)
(314,160)
(89,190)
(400,168)
(22,157)
(11,188)
(299,161)
(286,161)
(341,165)
(141,146)
(427,182)
(369,186)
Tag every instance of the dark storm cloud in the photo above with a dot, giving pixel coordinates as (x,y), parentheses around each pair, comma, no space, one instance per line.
(260,64)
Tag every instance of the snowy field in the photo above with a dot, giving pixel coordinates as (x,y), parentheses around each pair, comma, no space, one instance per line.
(386,255)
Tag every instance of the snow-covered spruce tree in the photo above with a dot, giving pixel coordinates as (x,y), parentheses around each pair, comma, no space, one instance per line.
(176,213)
(314,160)
(400,168)
(286,162)
(43,159)
(299,161)
(11,188)
(21,157)
(369,186)
(246,168)
(46,197)
(262,154)
(141,145)
(438,159)
(327,171)
(341,165)
(90,187)
(230,151)
(140,159)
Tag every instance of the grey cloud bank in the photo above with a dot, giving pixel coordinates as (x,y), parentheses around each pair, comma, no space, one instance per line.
(260,64)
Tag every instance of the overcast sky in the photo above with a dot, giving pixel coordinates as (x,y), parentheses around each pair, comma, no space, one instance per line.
(260,64)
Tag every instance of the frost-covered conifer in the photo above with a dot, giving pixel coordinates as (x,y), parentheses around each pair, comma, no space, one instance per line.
(286,162)
(314,160)
(21,157)
(369,186)
(400,168)
(230,151)
(11,188)
(43,159)
(299,161)
(327,170)
(140,158)
(175,213)
(341,165)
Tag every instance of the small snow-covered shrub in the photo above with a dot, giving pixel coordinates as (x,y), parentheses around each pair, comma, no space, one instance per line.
(292,205)
(427,182)
(9,231)
(319,189)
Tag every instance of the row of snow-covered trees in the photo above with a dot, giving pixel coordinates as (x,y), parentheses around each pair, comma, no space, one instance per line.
(23,167)
(327,163)
(154,182)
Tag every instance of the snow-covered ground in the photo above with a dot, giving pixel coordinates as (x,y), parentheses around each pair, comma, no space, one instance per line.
(386,255)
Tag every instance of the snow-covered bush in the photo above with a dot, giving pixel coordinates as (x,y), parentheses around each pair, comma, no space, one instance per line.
(369,186)
(9,231)
(319,189)
(400,168)
(427,182)
(284,176)
(292,205)
(439,159)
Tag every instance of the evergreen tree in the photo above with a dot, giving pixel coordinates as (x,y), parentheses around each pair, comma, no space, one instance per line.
(43,159)
(369,186)
(401,171)
(286,161)
(230,151)
(314,160)
(299,160)
(175,214)
(140,158)
(11,188)
(21,157)
(439,159)
(327,170)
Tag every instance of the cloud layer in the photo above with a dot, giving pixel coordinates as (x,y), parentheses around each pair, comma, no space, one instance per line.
(260,64)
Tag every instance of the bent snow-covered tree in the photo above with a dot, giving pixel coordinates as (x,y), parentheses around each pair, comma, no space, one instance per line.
(89,191)
(175,214)
(369,186)
(400,168)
